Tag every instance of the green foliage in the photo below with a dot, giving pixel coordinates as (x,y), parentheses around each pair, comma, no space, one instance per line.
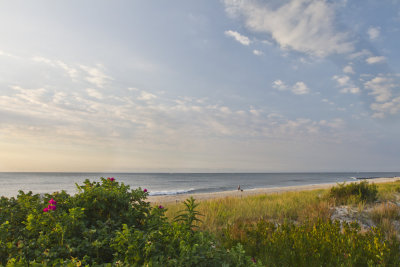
(189,215)
(354,193)
(321,243)
(104,223)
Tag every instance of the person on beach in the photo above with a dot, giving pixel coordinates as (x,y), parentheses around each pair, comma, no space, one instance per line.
(238,187)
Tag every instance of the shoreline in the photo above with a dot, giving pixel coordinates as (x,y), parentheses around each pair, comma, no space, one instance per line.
(165,199)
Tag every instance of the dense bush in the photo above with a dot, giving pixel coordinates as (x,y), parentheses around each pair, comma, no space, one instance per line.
(354,193)
(104,223)
(321,243)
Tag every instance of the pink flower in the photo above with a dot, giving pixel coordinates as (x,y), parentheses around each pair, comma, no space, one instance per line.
(112,179)
(50,207)
(45,210)
(253,260)
(145,190)
(161,207)
(52,202)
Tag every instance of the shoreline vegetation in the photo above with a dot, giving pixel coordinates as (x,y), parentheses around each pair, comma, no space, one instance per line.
(106,223)
(163,199)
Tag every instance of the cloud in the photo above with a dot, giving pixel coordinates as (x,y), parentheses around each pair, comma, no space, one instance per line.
(257,52)
(380,87)
(280,85)
(373,32)
(95,75)
(299,88)
(146,96)
(346,84)
(70,71)
(351,90)
(375,60)
(391,107)
(49,113)
(348,69)
(386,100)
(238,37)
(43,60)
(335,123)
(359,54)
(342,80)
(34,96)
(94,93)
(300,25)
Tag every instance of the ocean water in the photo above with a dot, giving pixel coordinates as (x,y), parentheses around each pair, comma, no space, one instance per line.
(172,183)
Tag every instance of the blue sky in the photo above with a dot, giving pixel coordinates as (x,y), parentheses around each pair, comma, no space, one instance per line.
(261,86)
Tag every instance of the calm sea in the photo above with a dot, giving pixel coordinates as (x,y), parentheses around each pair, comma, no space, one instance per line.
(172,183)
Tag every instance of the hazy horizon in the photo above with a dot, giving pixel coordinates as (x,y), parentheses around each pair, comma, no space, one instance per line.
(207,86)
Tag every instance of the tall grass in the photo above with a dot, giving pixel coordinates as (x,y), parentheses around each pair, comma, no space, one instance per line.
(291,206)
(388,191)
(383,215)
(279,207)
(294,228)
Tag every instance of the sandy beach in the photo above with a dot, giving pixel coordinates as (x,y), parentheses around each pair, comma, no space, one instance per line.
(257,191)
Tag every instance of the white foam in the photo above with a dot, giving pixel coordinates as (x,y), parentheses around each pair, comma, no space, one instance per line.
(170,192)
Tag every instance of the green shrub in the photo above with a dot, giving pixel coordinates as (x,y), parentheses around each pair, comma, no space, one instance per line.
(104,223)
(354,193)
(322,243)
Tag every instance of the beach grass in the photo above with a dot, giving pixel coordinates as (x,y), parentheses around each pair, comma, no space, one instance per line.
(292,206)
(297,206)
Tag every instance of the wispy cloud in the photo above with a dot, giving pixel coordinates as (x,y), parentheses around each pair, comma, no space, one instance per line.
(94,93)
(348,69)
(386,101)
(146,96)
(90,116)
(347,86)
(301,25)
(95,75)
(244,40)
(280,85)
(257,52)
(375,60)
(380,88)
(299,88)
(373,32)
(70,71)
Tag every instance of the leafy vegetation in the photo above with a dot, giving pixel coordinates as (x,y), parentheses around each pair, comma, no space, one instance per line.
(104,223)
(189,215)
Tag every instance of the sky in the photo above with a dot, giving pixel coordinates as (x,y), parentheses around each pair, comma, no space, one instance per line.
(200,86)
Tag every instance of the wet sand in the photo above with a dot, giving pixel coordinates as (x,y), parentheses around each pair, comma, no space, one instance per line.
(257,191)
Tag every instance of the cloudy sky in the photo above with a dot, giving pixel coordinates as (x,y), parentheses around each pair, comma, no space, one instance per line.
(166,86)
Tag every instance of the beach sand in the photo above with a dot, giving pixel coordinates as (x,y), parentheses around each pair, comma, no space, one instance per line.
(258,191)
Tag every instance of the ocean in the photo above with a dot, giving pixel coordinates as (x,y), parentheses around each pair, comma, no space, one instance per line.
(173,183)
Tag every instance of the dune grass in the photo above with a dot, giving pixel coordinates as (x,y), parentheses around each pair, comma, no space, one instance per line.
(295,228)
(388,191)
(279,207)
(291,206)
